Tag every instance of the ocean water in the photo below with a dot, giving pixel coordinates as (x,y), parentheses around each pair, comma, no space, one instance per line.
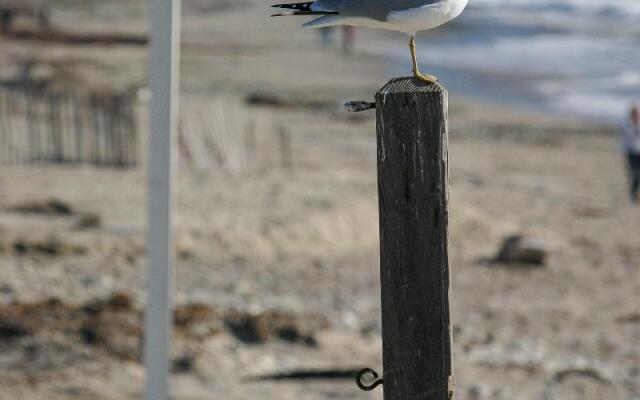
(570,57)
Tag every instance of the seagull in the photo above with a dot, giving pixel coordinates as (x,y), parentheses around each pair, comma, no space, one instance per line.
(408,16)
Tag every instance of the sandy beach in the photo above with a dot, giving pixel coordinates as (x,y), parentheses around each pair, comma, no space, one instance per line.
(277,267)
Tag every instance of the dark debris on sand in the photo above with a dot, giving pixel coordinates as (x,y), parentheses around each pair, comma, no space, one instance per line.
(114,325)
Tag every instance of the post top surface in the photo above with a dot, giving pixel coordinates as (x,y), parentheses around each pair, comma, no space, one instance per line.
(407,84)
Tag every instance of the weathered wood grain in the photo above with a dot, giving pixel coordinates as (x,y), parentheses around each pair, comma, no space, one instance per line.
(414,261)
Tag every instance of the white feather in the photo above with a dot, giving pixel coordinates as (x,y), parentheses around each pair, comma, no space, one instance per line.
(409,21)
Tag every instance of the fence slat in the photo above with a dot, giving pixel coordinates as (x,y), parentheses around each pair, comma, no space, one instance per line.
(3,129)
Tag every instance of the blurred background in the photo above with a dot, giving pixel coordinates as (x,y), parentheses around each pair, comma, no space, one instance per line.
(276,224)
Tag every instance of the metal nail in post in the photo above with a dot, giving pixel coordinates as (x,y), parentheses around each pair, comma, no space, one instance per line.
(358,106)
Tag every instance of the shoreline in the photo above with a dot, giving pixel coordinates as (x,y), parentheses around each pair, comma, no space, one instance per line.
(476,88)
(490,60)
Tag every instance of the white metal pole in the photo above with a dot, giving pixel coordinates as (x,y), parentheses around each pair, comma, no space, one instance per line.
(164,84)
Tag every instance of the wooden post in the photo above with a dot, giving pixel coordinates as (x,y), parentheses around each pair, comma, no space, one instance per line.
(414,264)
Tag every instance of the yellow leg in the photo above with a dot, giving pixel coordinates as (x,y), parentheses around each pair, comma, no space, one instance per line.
(414,61)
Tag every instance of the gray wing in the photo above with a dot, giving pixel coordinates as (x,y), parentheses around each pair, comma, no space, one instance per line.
(375,9)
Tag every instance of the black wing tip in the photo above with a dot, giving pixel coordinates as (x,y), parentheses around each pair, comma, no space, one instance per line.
(321,13)
(303,8)
(301,5)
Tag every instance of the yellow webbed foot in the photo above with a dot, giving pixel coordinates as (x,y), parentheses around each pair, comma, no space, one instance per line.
(414,64)
(426,77)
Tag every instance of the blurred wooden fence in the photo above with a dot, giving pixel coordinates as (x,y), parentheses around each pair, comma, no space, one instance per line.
(67,127)
(224,133)
(75,127)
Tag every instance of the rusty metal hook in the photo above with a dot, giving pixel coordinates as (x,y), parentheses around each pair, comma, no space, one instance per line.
(364,387)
